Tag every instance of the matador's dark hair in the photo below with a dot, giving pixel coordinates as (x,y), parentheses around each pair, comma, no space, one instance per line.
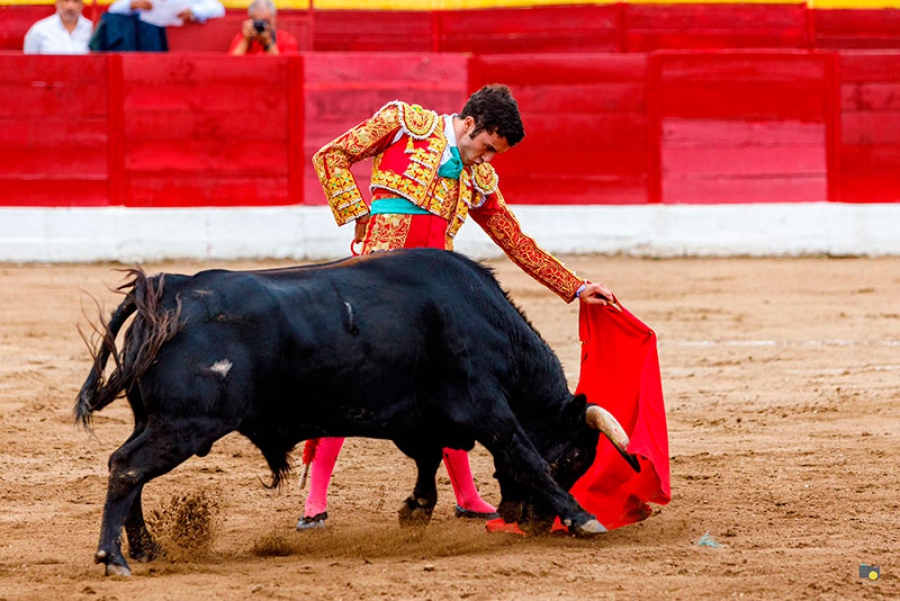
(495,111)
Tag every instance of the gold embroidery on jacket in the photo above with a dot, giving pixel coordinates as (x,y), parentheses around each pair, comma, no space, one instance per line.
(525,252)
(386,232)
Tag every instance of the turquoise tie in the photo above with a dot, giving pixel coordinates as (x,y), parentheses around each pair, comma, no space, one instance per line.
(453,166)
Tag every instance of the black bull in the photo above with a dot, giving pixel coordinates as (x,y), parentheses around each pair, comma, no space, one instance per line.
(419,347)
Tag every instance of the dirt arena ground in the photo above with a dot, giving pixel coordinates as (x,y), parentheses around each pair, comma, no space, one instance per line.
(782,382)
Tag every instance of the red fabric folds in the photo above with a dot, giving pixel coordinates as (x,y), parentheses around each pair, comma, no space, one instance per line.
(620,372)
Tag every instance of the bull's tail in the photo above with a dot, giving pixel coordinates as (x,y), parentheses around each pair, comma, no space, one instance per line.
(152,327)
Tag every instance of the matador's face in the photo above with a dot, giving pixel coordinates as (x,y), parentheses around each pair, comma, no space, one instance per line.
(481,147)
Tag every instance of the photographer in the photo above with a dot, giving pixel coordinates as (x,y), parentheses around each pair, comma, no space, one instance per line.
(259,34)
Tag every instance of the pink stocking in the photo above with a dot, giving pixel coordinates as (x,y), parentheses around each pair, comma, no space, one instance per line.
(467,497)
(320,475)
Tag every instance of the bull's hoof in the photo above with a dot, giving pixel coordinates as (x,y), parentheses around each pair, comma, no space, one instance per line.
(588,529)
(113,569)
(415,512)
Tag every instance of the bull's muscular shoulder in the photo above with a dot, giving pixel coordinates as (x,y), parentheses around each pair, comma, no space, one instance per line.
(485,179)
(416,122)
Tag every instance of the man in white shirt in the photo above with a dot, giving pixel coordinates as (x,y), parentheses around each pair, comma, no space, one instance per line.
(66,32)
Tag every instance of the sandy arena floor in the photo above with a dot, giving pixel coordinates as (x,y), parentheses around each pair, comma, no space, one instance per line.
(782,382)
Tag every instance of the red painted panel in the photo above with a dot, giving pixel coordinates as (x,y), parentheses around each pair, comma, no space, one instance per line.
(532,30)
(687,133)
(373,31)
(589,189)
(49,192)
(869,67)
(870,97)
(743,127)
(856,28)
(560,68)
(681,26)
(871,128)
(53,130)
(744,86)
(53,147)
(581,143)
(604,144)
(585,98)
(213,157)
(171,190)
(869,120)
(736,190)
(865,189)
(15,21)
(227,126)
(762,160)
(154,124)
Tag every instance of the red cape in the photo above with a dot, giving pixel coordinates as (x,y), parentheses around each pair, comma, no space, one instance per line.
(620,372)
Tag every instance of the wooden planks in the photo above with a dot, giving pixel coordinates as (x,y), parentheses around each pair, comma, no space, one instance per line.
(739,127)
(54,130)
(870,127)
(585,122)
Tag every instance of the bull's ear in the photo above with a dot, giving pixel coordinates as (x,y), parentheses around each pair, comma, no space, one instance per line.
(576,407)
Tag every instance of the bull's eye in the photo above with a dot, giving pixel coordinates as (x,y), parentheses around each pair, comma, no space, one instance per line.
(575,455)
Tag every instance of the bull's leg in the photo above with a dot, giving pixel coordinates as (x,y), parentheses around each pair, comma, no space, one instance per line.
(418,507)
(141,545)
(518,462)
(154,452)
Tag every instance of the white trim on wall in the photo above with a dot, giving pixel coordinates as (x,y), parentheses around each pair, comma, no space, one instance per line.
(129,235)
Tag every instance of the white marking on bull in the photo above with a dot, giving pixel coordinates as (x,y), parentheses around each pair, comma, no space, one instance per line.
(221,367)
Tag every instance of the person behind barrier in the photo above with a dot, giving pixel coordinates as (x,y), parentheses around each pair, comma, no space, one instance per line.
(65,32)
(258,33)
(192,11)
(430,172)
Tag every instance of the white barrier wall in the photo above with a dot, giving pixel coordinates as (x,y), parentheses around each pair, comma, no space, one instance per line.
(56,235)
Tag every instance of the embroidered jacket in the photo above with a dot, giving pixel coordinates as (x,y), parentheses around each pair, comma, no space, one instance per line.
(409,169)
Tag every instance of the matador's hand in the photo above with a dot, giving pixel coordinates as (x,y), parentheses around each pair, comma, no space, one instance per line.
(596,294)
(360,231)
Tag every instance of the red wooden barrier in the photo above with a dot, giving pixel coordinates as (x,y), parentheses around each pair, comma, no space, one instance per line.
(374,31)
(207,130)
(649,27)
(673,127)
(532,30)
(855,29)
(585,127)
(54,130)
(870,127)
(743,127)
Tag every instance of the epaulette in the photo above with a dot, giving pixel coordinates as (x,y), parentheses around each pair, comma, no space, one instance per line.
(484,179)
(416,122)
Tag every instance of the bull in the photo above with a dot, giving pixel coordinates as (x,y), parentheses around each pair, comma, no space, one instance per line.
(420,347)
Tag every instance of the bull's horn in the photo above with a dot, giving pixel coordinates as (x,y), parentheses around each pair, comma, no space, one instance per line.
(599,418)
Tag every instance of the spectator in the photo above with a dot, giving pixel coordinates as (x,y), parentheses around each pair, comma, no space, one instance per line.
(195,11)
(66,32)
(258,33)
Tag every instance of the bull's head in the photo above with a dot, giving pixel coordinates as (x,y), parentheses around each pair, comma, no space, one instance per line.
(570,449)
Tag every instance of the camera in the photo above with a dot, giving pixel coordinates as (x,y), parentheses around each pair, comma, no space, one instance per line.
(260,25)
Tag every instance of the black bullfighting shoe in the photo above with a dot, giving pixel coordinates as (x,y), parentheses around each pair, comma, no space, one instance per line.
(476,515)
(316,522)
